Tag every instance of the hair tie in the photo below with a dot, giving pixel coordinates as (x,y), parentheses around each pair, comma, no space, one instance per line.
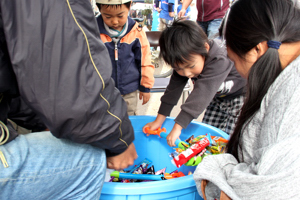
(273,44)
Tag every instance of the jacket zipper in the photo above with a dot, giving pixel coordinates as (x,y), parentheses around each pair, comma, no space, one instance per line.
(116,59)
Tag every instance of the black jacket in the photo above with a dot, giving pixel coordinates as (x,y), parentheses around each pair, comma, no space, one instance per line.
(51,54)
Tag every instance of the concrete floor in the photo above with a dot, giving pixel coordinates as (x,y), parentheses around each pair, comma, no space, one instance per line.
(151,108)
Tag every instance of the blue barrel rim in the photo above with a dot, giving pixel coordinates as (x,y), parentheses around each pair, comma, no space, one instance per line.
(146,187)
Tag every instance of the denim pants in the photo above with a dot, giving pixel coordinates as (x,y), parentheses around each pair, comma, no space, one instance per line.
(43,167)
(211,28)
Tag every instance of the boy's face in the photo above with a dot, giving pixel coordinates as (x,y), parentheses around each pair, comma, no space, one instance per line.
(193,68)
(114,16)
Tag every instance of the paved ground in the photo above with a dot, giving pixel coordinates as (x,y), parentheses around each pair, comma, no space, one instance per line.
(152,106)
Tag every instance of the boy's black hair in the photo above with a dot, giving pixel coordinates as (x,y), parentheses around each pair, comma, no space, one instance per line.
(99,5)
(182,40)
(249,23)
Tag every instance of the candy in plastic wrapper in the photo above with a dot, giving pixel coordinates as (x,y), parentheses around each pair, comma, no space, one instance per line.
(196,148)
(190,139)
(150,170)
(161,171)
(143,164)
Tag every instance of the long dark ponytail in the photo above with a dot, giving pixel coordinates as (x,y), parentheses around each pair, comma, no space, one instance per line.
(249,23)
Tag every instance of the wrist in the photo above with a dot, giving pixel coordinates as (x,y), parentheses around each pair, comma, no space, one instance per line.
(160,119)
(177,127)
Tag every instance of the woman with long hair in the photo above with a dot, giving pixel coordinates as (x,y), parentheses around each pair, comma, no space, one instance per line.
(262,160)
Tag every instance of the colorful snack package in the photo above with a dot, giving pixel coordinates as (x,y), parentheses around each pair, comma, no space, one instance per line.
(196,148)
(144,163)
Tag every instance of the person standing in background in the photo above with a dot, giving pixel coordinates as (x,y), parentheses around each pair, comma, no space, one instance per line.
(129,51)
(210,14)
(166,13)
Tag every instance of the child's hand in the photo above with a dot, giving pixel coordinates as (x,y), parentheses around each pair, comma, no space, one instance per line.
(156,123)
(145,96)
(174,135)
(152,126)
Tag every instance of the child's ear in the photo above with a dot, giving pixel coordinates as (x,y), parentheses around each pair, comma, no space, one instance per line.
(207,47)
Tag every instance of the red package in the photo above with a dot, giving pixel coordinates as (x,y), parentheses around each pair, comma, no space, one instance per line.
(196,148)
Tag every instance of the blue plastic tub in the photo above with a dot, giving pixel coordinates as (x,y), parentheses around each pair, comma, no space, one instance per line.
(157,150)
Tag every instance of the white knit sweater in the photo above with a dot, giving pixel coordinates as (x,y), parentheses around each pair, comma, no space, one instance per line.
(271,149)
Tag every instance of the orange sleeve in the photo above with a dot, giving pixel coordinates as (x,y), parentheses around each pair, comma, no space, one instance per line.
(147,69)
